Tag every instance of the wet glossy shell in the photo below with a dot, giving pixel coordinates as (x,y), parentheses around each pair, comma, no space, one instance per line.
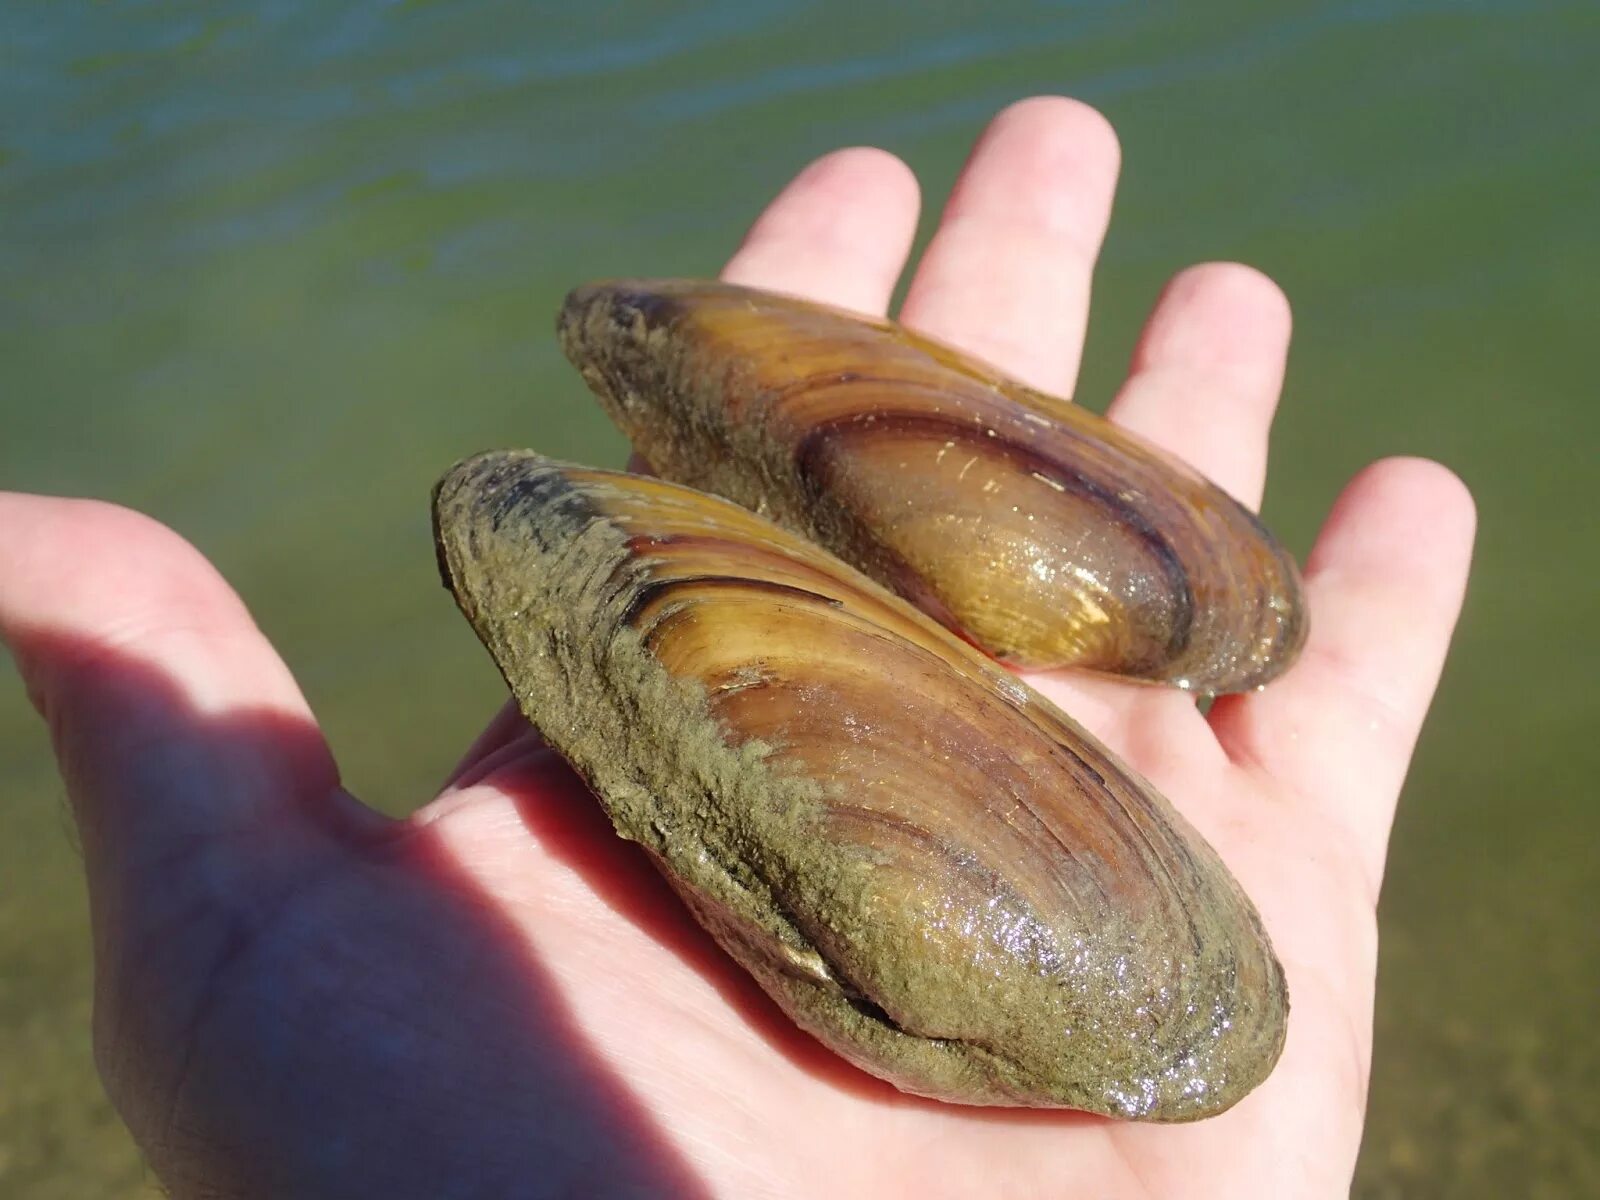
(1042,532)
(925,863)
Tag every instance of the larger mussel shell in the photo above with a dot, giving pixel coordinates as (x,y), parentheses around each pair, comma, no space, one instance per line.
(924,862)
(1041,531)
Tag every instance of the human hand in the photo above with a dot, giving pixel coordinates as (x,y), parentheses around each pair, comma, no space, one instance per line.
(496,997)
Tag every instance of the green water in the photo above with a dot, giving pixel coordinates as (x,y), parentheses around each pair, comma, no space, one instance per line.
(269,267)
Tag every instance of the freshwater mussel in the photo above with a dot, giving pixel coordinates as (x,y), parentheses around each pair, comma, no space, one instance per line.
(1039,530)
(923,861)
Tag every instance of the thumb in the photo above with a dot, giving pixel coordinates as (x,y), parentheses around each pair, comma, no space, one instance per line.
(138,654)
(201,787)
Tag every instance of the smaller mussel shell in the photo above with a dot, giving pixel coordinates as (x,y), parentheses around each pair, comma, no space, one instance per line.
(1037,529)
(927,865)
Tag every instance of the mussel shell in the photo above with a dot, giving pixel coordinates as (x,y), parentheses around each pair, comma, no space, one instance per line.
(1035,528)
(925,863)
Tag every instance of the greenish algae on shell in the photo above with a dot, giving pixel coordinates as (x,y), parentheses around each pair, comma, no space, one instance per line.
(925,863)
(1039,530)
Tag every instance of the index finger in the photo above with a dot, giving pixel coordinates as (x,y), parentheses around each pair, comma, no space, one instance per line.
(838,233)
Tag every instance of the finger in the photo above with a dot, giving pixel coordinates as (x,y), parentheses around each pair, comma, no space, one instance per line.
(839,233)
(1007,275)
(1207,372)
(176,725)
(1384,585)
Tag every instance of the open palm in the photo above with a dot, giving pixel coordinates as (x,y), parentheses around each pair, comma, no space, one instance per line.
(496,997)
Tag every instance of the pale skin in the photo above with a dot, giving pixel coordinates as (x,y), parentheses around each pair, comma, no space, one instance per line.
(496,997)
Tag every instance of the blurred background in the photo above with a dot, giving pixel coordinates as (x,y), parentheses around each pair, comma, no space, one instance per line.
(272,266)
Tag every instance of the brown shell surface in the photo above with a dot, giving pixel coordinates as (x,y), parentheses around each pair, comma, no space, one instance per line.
(925,863)
(1034,527)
